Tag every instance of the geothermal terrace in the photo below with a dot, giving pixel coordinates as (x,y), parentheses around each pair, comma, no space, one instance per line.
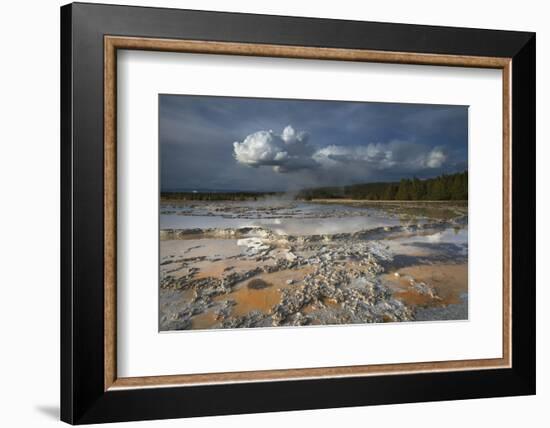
(276,262)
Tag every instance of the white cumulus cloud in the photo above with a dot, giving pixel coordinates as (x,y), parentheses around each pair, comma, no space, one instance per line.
(436,158)
(376,155)
(291,151)
(288,151)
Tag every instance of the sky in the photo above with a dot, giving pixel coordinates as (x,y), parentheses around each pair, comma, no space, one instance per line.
(259,144)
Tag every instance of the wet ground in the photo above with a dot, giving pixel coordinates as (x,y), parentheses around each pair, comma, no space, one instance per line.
(287,263)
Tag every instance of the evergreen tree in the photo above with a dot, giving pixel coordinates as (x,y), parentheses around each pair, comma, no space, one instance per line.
(444,187)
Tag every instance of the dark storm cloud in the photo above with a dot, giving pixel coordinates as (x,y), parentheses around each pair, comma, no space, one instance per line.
(228,143)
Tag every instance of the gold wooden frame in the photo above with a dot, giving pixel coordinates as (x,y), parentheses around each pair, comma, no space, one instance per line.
(113,43)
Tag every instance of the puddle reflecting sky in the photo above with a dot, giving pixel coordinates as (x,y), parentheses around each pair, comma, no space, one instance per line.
(291,219)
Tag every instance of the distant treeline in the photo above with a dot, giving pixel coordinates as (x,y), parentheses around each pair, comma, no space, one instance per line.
(216,196)
(442,188)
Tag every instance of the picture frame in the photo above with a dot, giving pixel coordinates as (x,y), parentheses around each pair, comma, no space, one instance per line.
(91,390)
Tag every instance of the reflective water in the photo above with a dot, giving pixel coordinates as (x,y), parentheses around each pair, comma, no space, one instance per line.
(448,243)
(291,219)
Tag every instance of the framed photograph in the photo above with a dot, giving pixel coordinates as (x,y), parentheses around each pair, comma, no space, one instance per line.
(266,213)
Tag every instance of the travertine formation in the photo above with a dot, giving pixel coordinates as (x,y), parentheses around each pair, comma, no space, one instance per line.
(342,284)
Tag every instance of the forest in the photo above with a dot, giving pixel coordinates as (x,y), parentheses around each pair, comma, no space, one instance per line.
(442,188)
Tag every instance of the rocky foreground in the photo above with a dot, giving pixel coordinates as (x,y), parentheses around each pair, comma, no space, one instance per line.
(251,277)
